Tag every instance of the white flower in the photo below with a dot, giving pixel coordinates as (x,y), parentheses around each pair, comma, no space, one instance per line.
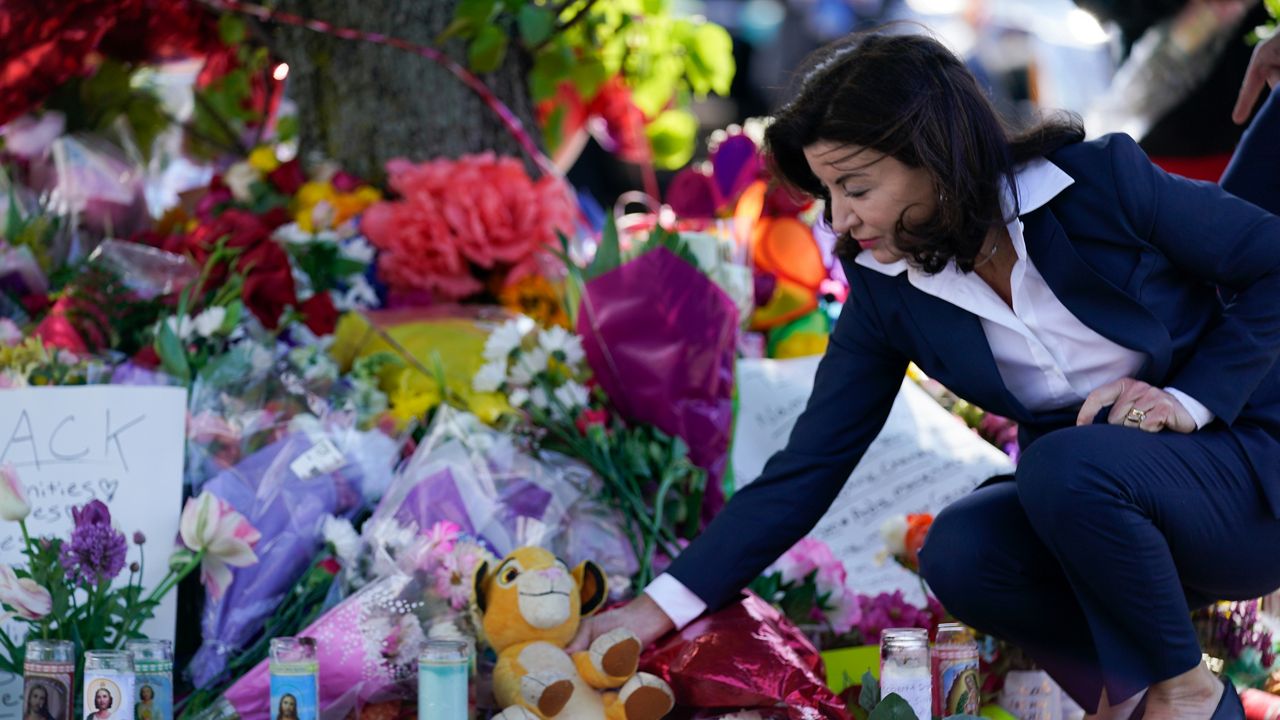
(29,599)
(572,396)
(322,215)
(360,294)
(557,339)
(209,321)
(528,365)
(260,357)
(240,178)
(489,377)
(502,341)
(346,543)
(894,532)
(358,249)
(518,397)
(181,326)
(538,396)
(14,505)
(293,234)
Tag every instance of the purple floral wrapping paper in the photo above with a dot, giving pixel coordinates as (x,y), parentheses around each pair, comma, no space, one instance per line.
(660,336)
(288,511)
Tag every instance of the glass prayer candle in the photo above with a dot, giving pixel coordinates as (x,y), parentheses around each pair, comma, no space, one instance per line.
(955,671)
(905,670)
(443,674)
(49,680)
(153,668)
(108,685)
(295,679)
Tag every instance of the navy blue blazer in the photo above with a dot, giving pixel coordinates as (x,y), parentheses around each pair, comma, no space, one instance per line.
(1176,269)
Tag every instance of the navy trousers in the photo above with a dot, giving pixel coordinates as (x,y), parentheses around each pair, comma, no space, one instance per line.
(1093,557)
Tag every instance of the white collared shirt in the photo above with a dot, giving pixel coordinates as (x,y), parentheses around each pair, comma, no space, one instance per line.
(1046,356)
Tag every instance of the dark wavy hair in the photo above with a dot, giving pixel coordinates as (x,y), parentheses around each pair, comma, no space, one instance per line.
(908,96)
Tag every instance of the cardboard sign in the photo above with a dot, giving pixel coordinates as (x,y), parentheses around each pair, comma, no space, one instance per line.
(119,444)
(923,459)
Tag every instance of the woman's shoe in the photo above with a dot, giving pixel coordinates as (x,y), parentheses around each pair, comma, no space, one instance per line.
(1229,707)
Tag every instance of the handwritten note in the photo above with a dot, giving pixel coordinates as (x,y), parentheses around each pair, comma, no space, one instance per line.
(923,459)
(121,445)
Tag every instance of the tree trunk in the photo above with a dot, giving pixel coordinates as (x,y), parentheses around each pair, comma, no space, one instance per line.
(361,103)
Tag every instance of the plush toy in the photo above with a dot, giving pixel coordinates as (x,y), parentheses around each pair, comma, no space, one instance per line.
(532,605)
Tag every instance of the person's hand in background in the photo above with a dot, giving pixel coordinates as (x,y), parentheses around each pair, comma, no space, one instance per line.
(1264,68)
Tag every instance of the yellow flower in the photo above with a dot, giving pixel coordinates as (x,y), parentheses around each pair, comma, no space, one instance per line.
(536,297)
(263,159)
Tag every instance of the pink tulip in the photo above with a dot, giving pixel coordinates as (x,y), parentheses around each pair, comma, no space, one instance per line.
(14,505)
(27,598)
(211,526)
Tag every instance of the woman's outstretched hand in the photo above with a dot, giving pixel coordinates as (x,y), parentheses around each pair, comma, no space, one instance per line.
(1138,405)
(641,616)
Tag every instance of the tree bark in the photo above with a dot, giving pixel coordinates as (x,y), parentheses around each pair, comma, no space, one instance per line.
(361,103)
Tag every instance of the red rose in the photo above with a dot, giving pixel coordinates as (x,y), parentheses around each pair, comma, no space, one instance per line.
(288,178)
(320,314)
(330,565)
(588,419)
(147,358)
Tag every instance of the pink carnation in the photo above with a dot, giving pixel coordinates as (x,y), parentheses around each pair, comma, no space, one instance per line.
(479,210)
(808,555)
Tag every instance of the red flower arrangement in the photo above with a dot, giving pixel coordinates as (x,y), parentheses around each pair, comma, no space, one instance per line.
(460,220)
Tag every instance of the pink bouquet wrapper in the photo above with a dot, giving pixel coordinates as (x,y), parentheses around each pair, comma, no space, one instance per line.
(367,647)
(660,337)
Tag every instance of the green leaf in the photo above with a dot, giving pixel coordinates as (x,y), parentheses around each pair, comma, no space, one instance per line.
(231,29)
(709,65)
(870,695)
(173,357)
(475,14)
(457,28)
(536,24)
(287,128)
(588,75)
(893,707)
(609,253)
(673,137)
(488,50)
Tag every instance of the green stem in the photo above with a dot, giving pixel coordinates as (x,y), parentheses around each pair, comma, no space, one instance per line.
(26,538)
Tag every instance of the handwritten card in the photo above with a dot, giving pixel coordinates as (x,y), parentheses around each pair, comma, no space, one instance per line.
(923,459)
(119,444)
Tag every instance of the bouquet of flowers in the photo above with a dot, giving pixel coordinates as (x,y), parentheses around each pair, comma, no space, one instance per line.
(904,536)
(647,475)
(368,644)
(461,227)
(288,243)
(809,585)
(660,338)
(465,477)
(68,589)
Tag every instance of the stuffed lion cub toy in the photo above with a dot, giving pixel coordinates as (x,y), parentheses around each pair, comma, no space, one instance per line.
(532,605)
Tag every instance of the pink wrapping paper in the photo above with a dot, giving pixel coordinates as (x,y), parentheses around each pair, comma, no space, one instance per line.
(367,647)
(660,336)
(746,655)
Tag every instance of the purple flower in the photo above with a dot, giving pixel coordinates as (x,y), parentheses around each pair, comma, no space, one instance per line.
(96,551)
(93,513)
(138,537)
